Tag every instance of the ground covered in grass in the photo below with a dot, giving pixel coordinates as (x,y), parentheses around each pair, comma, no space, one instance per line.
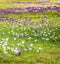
(29,34)
(29,42)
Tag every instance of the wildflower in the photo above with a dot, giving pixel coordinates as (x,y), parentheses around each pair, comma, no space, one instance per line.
(38,35)
(7,39)
(40,25)
(37,51)
(47,39)
(23,42)
(44,32)
(31,45)
(5,52)
(19,44)
(29,38)
(56,28)
(30,49)
(13,33)
(40,48)
(20,35)
(48,33)
(8,47)
(17,51)
(25,49)
(12,49)
(15,38)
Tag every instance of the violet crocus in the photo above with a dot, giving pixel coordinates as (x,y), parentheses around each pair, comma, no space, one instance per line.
(42,22)
(19,51)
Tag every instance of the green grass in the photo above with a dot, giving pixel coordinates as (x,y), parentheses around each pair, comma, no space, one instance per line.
(17,0)
(49,54)
(37,16)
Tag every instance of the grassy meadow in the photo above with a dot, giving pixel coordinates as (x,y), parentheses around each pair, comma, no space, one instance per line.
(29,38)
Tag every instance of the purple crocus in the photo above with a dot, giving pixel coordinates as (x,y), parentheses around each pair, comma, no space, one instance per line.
(19,51)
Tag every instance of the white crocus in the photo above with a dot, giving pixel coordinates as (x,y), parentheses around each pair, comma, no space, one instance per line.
(29,38)
(7,39)
(47,39)
(15,38)
(25,49)
(30,49)
(31,45)
(22,42)
(40,48)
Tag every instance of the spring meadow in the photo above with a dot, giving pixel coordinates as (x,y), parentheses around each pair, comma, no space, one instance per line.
(29,31)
